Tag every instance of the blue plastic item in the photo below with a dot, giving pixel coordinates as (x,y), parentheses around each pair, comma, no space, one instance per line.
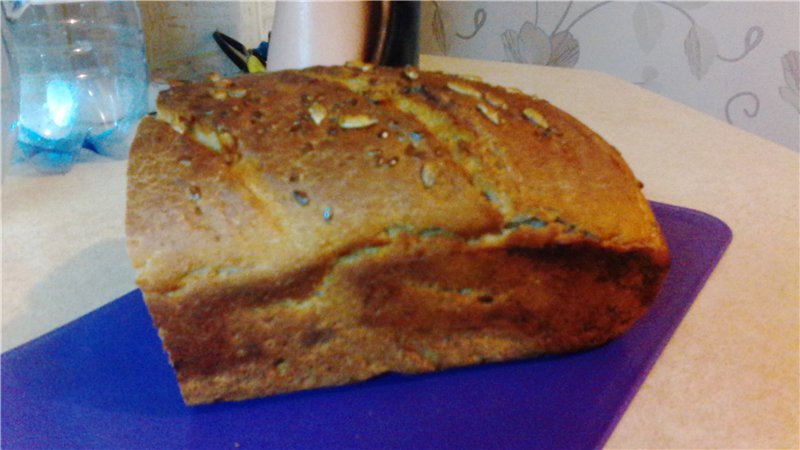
(103,381)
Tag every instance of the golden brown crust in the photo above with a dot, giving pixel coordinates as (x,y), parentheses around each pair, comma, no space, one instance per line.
(316,227)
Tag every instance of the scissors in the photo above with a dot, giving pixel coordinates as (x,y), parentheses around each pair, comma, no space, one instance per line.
(247,60)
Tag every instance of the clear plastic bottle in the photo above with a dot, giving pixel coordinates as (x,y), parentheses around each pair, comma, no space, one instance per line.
(81,78)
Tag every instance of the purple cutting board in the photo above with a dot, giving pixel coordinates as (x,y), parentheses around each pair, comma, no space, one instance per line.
(103,381)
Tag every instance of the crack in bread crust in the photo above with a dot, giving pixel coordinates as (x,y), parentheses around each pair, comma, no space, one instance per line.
(392,314)
(406,297)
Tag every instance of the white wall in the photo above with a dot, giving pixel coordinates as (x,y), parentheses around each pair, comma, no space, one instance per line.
(732,60)
(178,35)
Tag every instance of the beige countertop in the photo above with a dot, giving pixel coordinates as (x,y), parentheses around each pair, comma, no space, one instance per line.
(729,376)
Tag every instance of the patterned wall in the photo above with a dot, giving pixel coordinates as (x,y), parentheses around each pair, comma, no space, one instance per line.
(737,61)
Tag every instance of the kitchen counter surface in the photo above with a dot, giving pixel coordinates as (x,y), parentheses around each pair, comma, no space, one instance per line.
(729,376)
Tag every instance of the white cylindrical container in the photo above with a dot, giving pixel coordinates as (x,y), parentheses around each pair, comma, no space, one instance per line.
(306,33)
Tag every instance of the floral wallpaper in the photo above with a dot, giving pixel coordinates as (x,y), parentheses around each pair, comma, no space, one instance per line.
(737,61)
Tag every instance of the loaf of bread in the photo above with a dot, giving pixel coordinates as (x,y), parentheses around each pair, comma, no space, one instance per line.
(318,227)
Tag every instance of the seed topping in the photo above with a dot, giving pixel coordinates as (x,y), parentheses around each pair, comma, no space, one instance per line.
(237,93)
(495,101)
(218,94)
(489,113)
(464,89)
(223,83)
(357,121)
(301,197)
(410,72)
(428,174)
(226,139)
(470,77)
(317,112)
(365,67)
(536,117)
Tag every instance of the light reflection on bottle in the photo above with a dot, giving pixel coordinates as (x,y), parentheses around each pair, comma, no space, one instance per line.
(60,103)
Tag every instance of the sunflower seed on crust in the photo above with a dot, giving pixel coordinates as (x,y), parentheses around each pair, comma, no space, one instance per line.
(464,89)
(489,113)
(536,117)
(358,121)
(317,112)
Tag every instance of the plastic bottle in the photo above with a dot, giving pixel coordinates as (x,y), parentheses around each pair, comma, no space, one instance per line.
(81,79)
